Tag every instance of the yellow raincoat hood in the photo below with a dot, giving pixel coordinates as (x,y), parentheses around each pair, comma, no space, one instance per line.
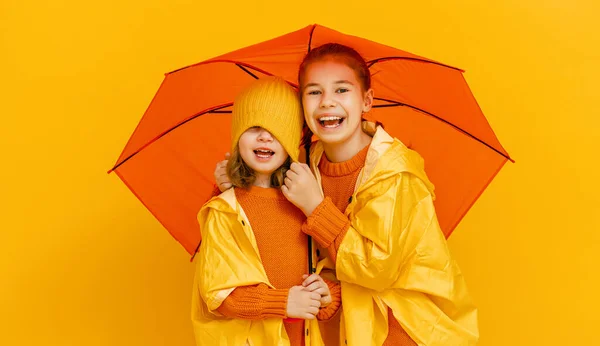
(395,255)
(229,258)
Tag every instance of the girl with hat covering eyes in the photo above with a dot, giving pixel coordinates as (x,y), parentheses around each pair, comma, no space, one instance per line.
(253,257)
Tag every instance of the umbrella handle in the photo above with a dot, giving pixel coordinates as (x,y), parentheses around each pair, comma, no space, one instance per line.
(311,268)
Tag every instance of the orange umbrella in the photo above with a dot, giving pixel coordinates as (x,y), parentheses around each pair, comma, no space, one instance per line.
(169,160)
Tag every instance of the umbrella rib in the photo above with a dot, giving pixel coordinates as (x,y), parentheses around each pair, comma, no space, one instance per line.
(400,104)
(387,58)
(245,70)
(206,62)
(311,36)
(244,66)
(216,109)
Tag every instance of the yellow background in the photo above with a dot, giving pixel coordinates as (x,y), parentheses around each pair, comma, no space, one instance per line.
(83,263)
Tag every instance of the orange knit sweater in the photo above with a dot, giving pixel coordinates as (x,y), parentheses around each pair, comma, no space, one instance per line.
(283,249)
(328,224)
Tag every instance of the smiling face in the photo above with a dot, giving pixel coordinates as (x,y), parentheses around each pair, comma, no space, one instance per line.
(261,151)
(334,101)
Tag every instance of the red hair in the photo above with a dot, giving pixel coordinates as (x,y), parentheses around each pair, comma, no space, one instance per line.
(339,53)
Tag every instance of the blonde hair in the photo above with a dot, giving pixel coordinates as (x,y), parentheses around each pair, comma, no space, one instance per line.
(241,175)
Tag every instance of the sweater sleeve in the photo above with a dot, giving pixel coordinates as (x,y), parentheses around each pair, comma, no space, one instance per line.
(256,302)
(328,226)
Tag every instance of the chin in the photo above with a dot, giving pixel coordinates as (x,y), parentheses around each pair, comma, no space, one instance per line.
(266,169)
(261,168)
(333,138)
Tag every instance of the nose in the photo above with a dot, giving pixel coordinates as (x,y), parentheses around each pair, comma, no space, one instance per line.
(327,101)
(265,136)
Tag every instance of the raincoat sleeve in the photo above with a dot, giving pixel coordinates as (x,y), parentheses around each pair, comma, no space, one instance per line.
(226,259)
(393,230)
(396,247)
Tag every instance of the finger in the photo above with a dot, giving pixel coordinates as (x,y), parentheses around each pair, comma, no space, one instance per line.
(326,297)
(314,286)
(227,155)
(291,174)
(315,296)
(285,191)
(312,278)
(304,276)
(223,179)
(296,168)
(223,164)
(313,310)
(315,303)
(305,167)
(323,291)
(288,182)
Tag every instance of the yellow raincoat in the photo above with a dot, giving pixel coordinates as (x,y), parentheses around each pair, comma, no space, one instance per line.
(228,258)
(395,255)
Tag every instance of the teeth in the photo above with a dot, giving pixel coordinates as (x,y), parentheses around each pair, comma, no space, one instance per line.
(264,153)
(329,118)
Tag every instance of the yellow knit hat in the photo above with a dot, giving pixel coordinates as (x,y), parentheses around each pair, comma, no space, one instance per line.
(272,104)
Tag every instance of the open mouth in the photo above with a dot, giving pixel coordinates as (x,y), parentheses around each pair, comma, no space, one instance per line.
(264,153)
(331,122)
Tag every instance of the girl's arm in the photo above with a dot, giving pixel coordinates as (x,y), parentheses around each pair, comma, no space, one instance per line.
(256,302)
(328,226)
(387,234)
(394,242)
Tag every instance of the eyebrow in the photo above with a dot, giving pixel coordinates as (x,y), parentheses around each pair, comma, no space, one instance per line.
(311,85)
(343,81)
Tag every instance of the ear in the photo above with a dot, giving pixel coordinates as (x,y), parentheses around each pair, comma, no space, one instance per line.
(368,101)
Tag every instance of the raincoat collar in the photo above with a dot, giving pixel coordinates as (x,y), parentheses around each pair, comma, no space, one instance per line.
(386,156)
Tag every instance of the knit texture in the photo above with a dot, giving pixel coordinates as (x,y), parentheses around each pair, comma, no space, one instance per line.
(256,304)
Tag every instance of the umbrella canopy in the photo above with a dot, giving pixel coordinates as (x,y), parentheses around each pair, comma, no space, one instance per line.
(169,160)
